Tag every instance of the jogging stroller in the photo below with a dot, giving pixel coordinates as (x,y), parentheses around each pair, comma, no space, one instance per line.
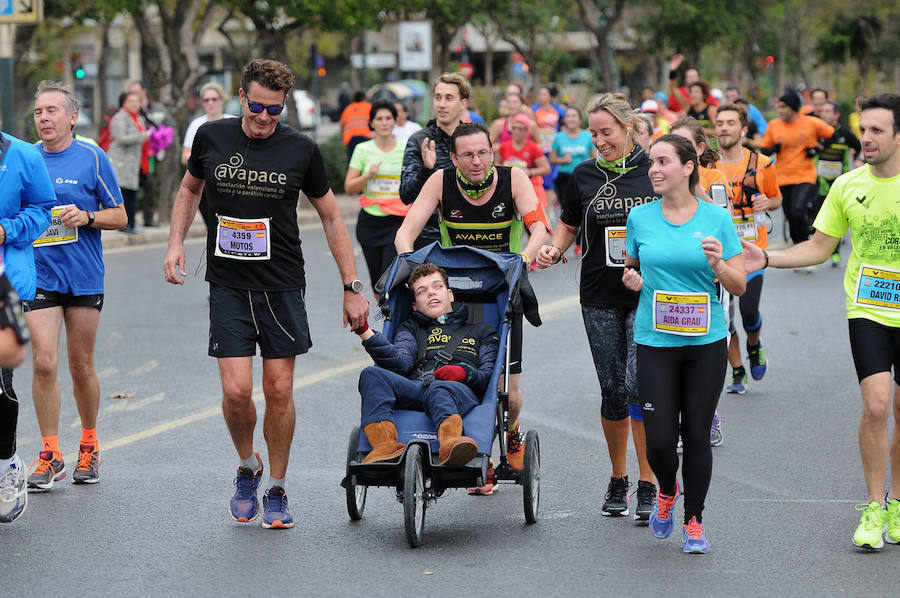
(493,286)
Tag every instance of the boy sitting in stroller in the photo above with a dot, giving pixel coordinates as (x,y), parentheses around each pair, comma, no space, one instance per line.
(437,364)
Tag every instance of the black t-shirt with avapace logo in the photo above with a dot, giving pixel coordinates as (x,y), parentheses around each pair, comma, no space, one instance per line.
(252,188)
(598,201)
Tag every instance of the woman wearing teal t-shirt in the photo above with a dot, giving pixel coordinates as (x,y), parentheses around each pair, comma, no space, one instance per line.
(676,248)
(375,171)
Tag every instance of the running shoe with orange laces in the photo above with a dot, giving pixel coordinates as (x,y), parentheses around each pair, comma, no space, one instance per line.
(662,521)
(693,538)
(45,470)
(88,469)
(490,485)
(515,448)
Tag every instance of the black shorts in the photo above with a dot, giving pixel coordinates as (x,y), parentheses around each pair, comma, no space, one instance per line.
(875,348)
(240,319)
(44,299)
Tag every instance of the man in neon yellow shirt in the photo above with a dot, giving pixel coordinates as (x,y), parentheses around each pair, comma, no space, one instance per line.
(865,201)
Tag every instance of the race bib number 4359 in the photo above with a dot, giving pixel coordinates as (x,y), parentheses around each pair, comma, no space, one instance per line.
(243,239)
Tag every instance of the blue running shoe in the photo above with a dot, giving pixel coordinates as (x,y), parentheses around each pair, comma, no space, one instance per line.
(757,361)
(693,540)
(275,505)
(662,522)
(244,503)
(738,381)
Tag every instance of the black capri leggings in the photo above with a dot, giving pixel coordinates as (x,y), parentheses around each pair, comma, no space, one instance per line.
(681,383)
(9,414)
(749,306)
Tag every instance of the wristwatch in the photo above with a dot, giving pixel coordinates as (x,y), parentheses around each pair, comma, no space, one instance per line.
(354,286)
(90,215)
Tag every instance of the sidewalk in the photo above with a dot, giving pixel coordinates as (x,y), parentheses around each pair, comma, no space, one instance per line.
(349,206)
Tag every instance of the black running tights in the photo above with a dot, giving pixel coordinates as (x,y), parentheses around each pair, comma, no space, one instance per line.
(681,383)
(9,415)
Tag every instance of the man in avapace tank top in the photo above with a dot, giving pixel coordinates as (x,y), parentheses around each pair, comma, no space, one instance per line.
(485,206)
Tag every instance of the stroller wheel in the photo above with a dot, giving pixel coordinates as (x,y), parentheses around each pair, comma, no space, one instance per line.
(531,476)
(356,494)
(413,495)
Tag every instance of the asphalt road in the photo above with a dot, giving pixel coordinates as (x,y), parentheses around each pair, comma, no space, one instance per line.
(779,514)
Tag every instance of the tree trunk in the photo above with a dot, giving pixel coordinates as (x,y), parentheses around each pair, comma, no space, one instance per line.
(781,64)
(23,95)
(489,64)
(169,55)
(602,22)
(100,107)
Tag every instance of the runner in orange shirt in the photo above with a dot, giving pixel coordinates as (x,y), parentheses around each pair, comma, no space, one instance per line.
(755,189)
(355,123)
(713,185)
(794,137)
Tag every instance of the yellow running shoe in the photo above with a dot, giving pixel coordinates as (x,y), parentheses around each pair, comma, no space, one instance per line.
(871,526)
(892,536)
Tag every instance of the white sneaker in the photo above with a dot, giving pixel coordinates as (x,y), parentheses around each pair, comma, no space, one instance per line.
(13,491)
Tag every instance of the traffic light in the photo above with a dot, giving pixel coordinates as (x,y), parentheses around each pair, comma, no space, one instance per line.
(78,71)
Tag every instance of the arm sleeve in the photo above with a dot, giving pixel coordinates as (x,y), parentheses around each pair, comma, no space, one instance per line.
(398,356)
(108,193)
(824,130)
(34,216)
(195,161)
(358,160)
(631,246)
(315,181)
(487,357)
(556,146)
(414,173)
(571,204)
(191,133)
(768,137)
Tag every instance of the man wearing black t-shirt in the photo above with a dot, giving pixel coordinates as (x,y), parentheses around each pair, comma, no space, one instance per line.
(253,169)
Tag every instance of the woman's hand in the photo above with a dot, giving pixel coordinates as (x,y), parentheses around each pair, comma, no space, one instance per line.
(547,256)
(712,249)
(632,279)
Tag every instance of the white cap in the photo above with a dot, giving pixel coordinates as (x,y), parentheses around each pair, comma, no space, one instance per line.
(649,106)
(716,93)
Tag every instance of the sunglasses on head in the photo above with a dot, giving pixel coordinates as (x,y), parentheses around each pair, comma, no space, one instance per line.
(256,108)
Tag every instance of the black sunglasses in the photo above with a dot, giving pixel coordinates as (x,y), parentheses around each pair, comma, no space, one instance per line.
(256,108)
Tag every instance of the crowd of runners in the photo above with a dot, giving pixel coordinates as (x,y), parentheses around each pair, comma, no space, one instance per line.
(666,203)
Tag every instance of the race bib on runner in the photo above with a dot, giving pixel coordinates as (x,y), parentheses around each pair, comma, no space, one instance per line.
(878,288)
(516,164)
(830,169)
(683,314)
(745,226)
(615,246)
(57,233)
(242,239)
(383,185)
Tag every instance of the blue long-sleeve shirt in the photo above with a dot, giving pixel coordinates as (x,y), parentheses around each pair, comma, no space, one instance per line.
(26,196)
